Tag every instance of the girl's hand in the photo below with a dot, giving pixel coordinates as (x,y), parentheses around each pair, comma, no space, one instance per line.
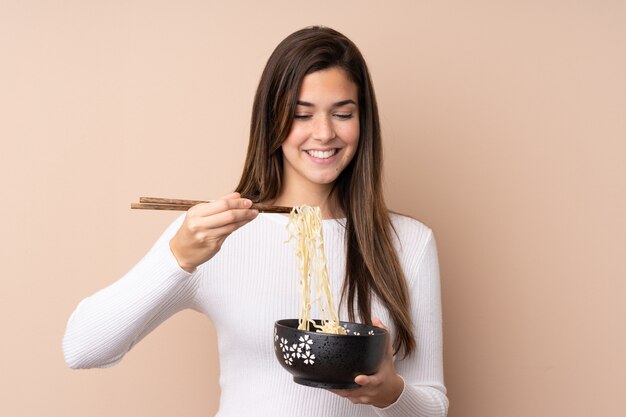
(205,228)
(381,389)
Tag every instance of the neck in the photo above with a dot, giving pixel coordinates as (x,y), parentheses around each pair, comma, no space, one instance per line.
(311,196)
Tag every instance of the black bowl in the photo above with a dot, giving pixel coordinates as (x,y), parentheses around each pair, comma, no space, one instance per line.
(325,360)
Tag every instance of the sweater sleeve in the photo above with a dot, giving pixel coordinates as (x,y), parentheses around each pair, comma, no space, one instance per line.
(106,325)
(424,393)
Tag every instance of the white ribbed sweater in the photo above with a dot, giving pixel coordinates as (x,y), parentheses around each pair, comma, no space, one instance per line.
(244,289)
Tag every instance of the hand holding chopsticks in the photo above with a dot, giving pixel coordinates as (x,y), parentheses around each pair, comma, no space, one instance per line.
(206,224)
(155,203)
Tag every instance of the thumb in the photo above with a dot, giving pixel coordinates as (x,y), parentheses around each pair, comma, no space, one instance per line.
(230,196)
(378,323)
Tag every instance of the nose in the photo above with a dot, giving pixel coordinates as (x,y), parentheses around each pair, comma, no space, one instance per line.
(323,129)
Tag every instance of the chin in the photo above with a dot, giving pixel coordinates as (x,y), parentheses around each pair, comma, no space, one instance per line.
(324,181)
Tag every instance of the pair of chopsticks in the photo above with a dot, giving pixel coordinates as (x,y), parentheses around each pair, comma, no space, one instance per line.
(155,203)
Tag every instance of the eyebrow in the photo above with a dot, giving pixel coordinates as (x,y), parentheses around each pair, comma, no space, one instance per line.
(337,104)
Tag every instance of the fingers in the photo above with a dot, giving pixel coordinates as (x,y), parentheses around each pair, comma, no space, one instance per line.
(378,323)
(363,380)
(206,226)
(356,396)
(360,400)
(230,227)
(369,381)
(380,389)
(226,218)
(212,222)
(229,196)
(345,393)
(221,205)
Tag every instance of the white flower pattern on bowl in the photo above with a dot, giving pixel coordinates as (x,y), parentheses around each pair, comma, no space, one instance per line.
(302,348)
(299,350)
(308,358)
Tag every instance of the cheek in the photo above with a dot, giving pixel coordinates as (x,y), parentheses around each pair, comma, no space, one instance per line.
(352,136)
(292,144)
(352,150)
(298,133)
(349,132)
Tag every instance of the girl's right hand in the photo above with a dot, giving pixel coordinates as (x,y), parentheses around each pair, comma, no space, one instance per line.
(205,228)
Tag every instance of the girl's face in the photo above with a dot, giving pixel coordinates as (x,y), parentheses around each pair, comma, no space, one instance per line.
(325,132)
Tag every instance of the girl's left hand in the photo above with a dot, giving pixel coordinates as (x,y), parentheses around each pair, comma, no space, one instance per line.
(381,389)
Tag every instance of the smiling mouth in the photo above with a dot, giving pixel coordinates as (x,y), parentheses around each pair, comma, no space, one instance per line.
(322,154)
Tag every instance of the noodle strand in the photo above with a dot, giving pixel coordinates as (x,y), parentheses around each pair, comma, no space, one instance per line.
(305,227)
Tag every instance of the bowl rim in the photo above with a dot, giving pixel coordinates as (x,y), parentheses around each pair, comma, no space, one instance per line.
(379,331)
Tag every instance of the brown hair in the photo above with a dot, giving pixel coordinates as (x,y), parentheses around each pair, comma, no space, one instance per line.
(372,264)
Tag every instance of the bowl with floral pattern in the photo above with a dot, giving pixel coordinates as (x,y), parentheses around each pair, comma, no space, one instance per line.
(324,360)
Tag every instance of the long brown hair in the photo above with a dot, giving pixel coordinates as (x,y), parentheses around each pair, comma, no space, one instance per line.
(372,264)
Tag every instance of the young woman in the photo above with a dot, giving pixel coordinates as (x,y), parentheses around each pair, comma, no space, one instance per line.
(315,140)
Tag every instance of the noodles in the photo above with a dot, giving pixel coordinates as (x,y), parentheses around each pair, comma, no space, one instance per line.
(305,227)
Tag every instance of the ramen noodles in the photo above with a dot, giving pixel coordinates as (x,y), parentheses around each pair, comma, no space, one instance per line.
(305,228)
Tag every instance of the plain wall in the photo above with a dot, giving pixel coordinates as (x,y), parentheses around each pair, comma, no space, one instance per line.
(504,126)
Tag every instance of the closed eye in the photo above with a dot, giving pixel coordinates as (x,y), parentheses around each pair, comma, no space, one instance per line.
(342,116)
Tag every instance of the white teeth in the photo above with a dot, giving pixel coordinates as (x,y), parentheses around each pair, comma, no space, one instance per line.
(322,154)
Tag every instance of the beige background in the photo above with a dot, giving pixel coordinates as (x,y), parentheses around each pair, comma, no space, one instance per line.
(504,127)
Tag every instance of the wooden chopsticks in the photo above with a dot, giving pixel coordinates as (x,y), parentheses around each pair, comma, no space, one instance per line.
(155,203)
